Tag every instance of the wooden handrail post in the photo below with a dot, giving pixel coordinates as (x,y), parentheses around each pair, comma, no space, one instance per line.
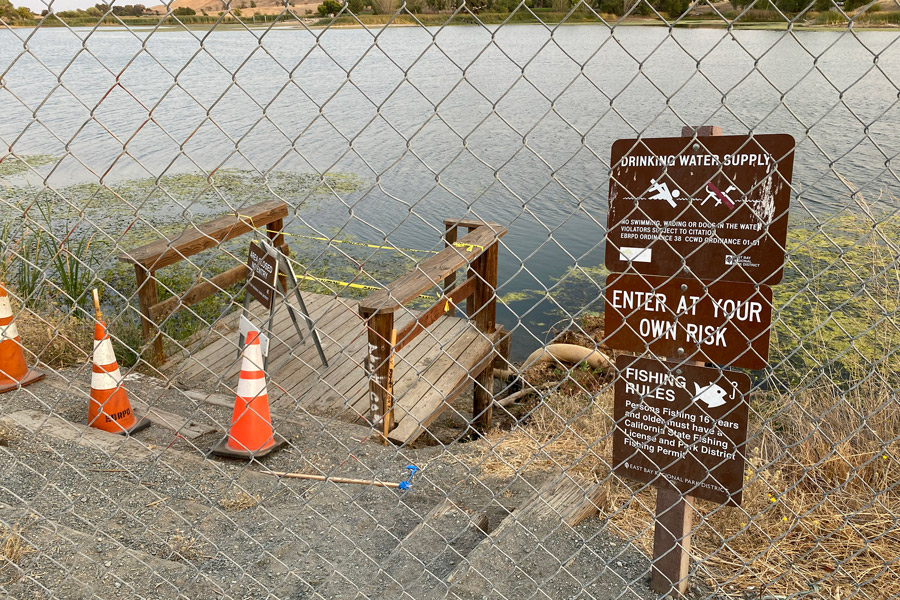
(380,369)
(150,258)
(484,307)
(148,296)
(450,280)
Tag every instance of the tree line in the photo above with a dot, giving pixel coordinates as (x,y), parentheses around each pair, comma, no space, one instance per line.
(99,10)
(10,14)
(672,8)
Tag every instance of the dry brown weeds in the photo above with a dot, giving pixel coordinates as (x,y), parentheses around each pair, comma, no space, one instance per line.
(240,500)
(7,434)
(821,500)
(12,548)
(54,337)
(182,545)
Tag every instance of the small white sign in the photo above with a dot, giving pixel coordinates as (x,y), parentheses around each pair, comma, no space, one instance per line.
(641,255)
(246,327)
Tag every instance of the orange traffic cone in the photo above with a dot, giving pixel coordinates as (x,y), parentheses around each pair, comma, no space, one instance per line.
(109,408)
(251,434)
(14,373)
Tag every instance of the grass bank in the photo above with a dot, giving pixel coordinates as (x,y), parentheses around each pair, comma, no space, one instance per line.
(820,496)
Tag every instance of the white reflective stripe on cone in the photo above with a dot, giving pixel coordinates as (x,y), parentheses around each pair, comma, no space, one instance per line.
(5,308)
(251,388)
(103,353)
(10,332)
(106,381)
(253,360)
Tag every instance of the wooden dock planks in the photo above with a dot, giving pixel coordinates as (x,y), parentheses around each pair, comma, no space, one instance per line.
(429,371)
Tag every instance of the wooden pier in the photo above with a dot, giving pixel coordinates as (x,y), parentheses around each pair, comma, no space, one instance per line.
(389,366)
(428,372)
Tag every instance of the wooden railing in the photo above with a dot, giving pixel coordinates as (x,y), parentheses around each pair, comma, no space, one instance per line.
(478,250)
(148,259)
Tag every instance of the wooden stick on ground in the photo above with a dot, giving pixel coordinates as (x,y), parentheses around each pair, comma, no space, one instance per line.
(374,482)
(515,396)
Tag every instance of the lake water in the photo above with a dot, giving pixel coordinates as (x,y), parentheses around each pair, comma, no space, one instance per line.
(512,124)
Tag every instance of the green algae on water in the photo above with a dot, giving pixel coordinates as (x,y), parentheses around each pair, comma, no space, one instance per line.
(16,165)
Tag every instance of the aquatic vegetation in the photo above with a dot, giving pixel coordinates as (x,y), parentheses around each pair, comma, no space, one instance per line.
(518,296)
(71,237)
(837,307)
(151,203)
(14,165)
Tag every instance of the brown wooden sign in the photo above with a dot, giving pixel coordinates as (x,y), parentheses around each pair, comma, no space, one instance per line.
(726,323)
(680,426)
(261,271)
(712,207)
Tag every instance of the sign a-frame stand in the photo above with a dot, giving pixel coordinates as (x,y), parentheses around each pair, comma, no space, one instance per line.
(265,263)
(742,241)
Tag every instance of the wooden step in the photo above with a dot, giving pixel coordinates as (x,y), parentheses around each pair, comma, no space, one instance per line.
(441,382)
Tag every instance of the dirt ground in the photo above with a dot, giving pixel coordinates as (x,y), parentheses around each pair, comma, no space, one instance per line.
(98,515)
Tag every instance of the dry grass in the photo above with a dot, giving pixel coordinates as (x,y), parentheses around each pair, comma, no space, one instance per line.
(240,500)
(181,545)
(8,434)
(820,503)
(12,548)
(54,338)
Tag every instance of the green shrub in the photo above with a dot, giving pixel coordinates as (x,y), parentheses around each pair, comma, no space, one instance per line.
(761,16)
(329,7)
(830,17)
(881,18)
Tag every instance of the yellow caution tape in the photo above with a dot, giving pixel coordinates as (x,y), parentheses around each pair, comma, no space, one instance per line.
(468,247)
(364,245)
(331,241)
(357,286)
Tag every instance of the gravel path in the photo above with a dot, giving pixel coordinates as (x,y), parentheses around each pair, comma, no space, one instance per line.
(152,517)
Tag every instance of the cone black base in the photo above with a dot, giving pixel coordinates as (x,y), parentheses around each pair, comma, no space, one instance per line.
(222,449)
(30,377)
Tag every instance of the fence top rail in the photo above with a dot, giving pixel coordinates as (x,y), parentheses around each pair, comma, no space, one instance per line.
(196,238)
(432,271)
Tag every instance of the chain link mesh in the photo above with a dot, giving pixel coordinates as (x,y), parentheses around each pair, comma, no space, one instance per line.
(406,169)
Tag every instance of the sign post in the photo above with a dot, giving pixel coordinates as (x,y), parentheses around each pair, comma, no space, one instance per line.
(696,234)
(264,264)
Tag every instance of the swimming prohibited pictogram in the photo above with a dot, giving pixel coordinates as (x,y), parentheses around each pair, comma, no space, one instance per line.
(109,408)
(251,434)
(14,372)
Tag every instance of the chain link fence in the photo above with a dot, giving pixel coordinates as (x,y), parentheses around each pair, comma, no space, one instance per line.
(444,381)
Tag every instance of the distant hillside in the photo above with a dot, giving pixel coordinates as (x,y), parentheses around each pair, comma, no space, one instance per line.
(263,7)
